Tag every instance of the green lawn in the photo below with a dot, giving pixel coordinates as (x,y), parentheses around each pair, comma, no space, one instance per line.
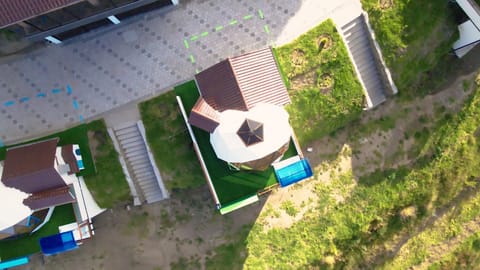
(108,185)
(27,245)
(416,38)
(344,234)
(230,185)
(323,86)
(166,131)
(466,255)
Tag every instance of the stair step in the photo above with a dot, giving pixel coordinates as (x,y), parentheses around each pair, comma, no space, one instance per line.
(125,130)
(140,166)
(130,140)
(135,153)
(136,161)
(128,145)
(134,148)
(136,156)
(152,191)
(148,185)
(128,135)
(367,70)
(145,173)
(354,21)
(155,199)
(361,49)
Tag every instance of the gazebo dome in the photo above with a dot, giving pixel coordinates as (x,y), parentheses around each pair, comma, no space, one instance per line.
(252,139)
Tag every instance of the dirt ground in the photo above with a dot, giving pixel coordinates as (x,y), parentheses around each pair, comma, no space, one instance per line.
(187,225)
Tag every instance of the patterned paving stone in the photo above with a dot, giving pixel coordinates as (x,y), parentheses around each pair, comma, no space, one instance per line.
(143,55)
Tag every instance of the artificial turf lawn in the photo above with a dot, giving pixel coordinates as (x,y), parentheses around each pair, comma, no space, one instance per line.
(230,185)
(28,244)
(105,180)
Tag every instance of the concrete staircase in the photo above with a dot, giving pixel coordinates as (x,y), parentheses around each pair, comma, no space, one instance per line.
(139,162)
(357,38)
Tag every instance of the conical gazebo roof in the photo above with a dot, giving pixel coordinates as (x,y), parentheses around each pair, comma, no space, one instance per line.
(251,132)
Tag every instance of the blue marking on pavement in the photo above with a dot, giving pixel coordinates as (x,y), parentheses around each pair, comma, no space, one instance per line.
(24,99)
(81,118)
(56,91)
(1,143)
(9,103)
(69,90)
(75,104)
(41,95)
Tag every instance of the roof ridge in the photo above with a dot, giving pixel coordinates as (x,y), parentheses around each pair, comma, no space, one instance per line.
(237,82)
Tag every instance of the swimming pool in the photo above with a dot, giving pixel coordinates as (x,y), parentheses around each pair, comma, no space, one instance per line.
(293,173)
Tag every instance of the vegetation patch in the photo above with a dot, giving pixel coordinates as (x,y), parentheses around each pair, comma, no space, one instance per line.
(108,185)
(321,78)
(168,138)
(465,256)
(415,46)
(345,233)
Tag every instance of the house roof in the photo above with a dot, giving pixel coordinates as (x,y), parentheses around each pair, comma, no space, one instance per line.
(69,158)
(240,83)
(30,168)
(12,11)
(48,198)
(219,87)
(204,116)
(251,132)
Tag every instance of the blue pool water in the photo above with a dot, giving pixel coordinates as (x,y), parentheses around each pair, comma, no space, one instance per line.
(80,164)
(293,173)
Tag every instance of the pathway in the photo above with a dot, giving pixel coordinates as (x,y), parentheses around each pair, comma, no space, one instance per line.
(61,86)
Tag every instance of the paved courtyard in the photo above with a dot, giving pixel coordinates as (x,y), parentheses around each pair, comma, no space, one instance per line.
(61,86)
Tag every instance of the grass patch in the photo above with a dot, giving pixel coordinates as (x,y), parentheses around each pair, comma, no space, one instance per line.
(230,255)
(465,256)
(343,234)
(166,130)
(29,244)
(289,208)
(415,46)
(186,264)
(230,185)
(450,225)
(108,186)
(323,86)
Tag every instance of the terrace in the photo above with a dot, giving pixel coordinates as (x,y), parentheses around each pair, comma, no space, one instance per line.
(63,217)
(231,186)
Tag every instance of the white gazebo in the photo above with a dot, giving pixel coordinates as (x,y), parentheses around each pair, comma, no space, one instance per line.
(244,137)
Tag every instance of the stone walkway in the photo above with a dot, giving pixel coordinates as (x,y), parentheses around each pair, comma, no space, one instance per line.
(61,86)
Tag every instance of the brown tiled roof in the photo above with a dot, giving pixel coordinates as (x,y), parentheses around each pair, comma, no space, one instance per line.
(48,198)
(219,87)
(259,78)
(30,168)
(242,82)
(12,11)
(238,83)
(204,116)
(69,158)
